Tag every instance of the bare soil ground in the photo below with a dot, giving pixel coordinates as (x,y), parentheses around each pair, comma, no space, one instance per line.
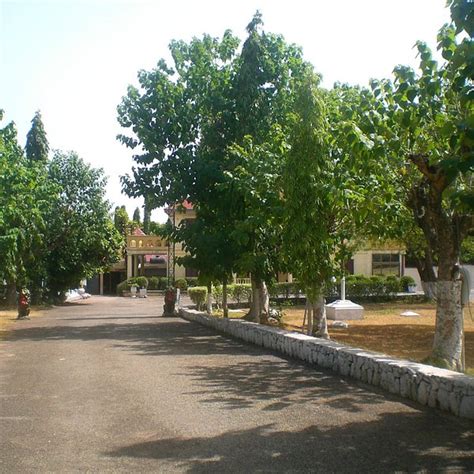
(384,330)
(9,316)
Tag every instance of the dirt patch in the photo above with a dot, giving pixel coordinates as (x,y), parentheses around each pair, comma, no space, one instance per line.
(8,317)
(384,330)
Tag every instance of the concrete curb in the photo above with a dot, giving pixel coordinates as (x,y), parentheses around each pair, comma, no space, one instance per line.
(437,388)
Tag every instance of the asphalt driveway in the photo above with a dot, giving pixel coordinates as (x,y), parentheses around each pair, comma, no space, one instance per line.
(105,385)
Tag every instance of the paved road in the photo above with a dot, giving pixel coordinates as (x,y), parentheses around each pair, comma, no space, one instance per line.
(106,386)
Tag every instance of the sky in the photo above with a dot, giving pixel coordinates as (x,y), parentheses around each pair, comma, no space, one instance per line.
(73,59)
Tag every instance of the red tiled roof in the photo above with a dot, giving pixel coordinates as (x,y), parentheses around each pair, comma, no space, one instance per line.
(186,204)
(138,232)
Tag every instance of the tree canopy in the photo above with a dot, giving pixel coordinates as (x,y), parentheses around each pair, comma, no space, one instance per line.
(37,146)
(284,174)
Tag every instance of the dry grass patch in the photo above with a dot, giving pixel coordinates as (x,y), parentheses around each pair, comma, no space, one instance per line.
(9,316)
(384,330)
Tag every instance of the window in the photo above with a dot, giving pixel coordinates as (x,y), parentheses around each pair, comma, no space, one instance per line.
(386,264)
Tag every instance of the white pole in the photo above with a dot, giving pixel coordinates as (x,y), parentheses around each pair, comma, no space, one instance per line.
(343,288)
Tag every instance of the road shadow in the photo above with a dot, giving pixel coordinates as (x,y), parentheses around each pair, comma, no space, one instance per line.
(393,442)
(246,376)
(276,383)
(168,336)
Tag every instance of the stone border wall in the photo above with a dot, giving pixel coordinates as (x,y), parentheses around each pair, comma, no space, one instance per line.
(437,388)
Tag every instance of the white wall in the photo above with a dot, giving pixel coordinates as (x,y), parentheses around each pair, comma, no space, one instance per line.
(413,272)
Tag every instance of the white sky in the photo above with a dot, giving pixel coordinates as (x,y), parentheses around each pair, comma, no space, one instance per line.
(73,59)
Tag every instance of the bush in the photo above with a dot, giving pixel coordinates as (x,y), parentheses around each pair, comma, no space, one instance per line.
(406,281)
(163,284)
(240,292)
(153,283)
(181,283)
(374,287)
(393,284)
(140,282)
(198,295)
(122,287)
(217,295)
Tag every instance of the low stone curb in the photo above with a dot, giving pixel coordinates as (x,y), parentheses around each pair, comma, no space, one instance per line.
(437,388)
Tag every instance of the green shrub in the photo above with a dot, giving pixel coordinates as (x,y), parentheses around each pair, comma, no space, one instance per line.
(240,292)
(393,285)
(141,281)
(374,287)
(153,283)
(181,283)
(122,287)
(217,295)
(406,281)
(163,284)
(198,295)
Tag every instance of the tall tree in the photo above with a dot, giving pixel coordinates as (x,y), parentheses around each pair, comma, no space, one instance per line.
(37,146)
(324,190)
(136,216)
(121,220)
(263,90)
(21,221)
(424,124)
(182,124)
(81,237)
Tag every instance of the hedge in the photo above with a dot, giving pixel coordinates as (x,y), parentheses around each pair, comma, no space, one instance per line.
(140,282)
(181,283)
(198,295)
(153,283)
(357,286)
(240,292)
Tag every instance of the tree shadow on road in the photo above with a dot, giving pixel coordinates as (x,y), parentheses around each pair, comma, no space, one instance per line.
(275,383)
(169,336)
(392,442)
(247,375)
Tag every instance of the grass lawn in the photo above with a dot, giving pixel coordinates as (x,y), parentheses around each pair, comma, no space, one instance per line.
(384,330)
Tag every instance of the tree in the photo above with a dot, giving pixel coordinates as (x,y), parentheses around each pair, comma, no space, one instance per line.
(21,222)
(181,123)
(37,146)
(136,216)
(424,125)
(266,74)
(81,238)
(122,221)
(323,189)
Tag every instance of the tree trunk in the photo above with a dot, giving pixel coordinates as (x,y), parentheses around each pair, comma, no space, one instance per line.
(429,289)
(443,232)
(264,303)
(209,298)
(254,312)
(309,315)
(448,340)
(424,265)
(225,309)
(448,343)
(11,295)
(319,310)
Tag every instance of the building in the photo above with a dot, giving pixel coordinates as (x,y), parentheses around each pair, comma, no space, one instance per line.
(151,255)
